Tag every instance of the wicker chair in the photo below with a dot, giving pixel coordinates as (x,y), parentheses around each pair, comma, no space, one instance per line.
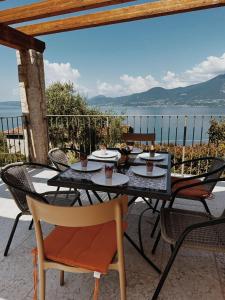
(60,159)
(190,229)
(19,182)
(198,187)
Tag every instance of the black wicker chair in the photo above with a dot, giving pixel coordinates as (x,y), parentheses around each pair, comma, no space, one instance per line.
(19,182)
(190,229)
(61,161)
(198,187)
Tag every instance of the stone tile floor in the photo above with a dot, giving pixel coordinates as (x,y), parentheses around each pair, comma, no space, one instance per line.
(195,274)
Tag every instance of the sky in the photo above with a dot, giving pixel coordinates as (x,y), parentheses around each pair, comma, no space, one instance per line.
(122,59)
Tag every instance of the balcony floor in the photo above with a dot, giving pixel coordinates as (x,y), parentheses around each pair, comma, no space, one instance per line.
(195,274)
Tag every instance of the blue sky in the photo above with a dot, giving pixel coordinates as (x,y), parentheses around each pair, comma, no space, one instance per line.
(121,59)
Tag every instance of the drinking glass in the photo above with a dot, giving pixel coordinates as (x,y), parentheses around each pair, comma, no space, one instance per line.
(83,160)
(149,166)
(109,170)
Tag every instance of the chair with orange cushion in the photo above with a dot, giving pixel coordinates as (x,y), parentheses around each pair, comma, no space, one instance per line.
(198,187)
(84,240)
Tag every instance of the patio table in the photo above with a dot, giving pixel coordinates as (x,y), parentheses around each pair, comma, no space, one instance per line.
(137,186)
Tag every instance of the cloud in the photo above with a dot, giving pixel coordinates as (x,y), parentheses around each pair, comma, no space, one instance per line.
(128,85)
(205,70)
(62,72)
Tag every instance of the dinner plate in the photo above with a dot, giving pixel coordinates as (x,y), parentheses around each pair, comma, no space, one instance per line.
(136,151)
(146,156)
(91,167)
(106,154)
(142,171)
(117,179)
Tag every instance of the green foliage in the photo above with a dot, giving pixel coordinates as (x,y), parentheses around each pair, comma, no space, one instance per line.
(84,127)
(3,143)
(217,131)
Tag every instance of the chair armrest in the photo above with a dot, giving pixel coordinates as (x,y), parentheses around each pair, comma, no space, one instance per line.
(197,184)
(200,175)
(40,165)
(193,160)
(59,193)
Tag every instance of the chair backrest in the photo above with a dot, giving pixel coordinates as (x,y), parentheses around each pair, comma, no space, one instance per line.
(139,137)
(215,170)
(18,180)
(59,159)
(76,216)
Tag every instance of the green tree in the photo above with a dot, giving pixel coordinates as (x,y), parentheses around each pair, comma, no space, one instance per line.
(82,125)
(216,131)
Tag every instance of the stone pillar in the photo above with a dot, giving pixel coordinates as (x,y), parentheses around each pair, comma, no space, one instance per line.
(33,102)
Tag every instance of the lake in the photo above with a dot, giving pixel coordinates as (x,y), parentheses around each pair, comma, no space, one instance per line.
(169,128)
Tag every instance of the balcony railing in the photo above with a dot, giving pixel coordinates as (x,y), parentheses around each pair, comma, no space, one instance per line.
(184,136)
(12,140)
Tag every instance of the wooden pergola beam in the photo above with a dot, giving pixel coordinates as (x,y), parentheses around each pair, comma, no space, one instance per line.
(125,14)
(49,8)
(13,38)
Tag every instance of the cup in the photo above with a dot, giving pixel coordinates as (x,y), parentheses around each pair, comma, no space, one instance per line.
(152,152)
(149,166)
(109,170)
(103,149)
(83,160)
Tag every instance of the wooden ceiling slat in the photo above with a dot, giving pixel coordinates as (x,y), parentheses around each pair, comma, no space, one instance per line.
(125,14)
(13,38)
(49,8)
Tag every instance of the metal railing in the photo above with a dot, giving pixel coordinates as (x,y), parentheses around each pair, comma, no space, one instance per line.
(185,136)
(12,140)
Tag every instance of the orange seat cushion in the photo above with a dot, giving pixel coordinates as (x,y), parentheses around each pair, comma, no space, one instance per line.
(192,192)
(91,248)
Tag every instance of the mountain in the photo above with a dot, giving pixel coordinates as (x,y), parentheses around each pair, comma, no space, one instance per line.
(208,93)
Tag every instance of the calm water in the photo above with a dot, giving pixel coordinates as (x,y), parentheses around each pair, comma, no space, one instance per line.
(167,129)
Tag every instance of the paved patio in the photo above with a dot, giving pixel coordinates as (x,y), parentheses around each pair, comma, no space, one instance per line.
(195,274)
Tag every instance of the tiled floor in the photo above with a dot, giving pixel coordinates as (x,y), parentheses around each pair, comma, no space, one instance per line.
(195,274)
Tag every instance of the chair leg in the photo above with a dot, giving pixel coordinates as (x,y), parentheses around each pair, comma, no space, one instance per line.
(31,224)
(139,229)
(12,233)
(155,206)
(155,226)
(79,201)
(61,278)
(167,269)
(206,206)
(156,242)
(42,284)
(89,197)
(122,279)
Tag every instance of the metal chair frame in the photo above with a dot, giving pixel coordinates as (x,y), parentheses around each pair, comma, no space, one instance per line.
(57,164)
(202,200)
(25,211)
(181,239)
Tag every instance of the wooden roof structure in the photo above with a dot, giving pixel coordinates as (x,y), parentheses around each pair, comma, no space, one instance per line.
(23,37)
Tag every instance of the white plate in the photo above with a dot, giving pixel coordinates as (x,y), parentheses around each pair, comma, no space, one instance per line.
(136,151)
(142,171)
(117,179)
(91,166)
(107,154)
(146,156)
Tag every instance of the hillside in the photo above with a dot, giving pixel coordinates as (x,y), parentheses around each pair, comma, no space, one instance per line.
(211,92)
